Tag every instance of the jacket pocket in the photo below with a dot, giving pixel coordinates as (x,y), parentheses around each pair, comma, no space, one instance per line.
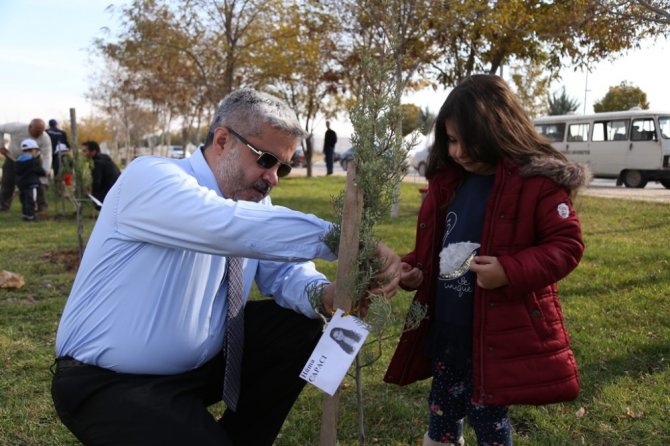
(537,314)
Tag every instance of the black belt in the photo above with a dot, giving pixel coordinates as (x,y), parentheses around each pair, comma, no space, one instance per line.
(67,362)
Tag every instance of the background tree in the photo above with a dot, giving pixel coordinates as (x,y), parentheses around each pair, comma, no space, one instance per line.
(622,97)
(302,68)
(129,120)
(478,36)
(427,119)
(366,23)
(530,82)
(411,118)
(562,104)
(93,128)
(157,75)
(179,58)
(656,11)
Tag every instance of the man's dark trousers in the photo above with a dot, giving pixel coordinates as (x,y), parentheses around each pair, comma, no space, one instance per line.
(104,407)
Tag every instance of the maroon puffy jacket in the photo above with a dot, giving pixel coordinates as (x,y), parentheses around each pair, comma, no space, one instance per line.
(521,352)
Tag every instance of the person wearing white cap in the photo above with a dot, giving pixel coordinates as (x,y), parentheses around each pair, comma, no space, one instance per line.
(29,169)
(59,143)
(18,132)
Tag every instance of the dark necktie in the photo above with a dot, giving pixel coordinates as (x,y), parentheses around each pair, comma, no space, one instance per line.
(234,340)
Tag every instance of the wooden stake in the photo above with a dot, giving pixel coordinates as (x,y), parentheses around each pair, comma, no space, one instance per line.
(346,273)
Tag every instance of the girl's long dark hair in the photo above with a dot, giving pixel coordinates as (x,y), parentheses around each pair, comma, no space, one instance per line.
(350,334)
(491,122)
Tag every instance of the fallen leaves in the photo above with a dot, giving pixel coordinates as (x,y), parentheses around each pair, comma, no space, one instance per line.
(9,279)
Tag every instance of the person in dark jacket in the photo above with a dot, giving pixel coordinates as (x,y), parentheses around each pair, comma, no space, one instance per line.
(104,172)
(329,142)
(59,143)
(28,170)
(496,232)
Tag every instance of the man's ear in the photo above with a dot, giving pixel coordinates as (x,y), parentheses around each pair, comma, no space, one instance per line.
(221,135)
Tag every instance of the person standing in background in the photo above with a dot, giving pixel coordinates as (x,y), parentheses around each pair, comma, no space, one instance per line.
(104,172)
(29,169)
(329,148)
(58,142)
(19,132)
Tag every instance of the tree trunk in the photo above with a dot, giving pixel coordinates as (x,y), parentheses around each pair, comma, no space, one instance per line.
(309,150)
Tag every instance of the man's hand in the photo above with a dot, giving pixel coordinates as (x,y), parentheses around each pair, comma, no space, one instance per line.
(328,300)
(4,151)
(490,273)
(385,282)
(410,277)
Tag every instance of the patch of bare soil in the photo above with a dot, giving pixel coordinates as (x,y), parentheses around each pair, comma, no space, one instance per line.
(68,257)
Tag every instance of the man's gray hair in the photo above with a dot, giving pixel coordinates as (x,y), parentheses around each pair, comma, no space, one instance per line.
(246,111)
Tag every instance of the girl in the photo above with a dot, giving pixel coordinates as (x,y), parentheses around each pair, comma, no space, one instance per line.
(499,196)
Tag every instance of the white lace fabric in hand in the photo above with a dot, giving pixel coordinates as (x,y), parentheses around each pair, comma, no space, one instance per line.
(455,259)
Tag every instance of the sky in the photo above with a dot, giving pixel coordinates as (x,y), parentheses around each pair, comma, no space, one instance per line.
(46,64)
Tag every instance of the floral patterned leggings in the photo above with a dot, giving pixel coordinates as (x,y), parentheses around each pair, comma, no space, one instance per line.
(450,402)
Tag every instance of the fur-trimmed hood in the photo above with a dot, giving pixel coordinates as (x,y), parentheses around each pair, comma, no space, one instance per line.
(573,176)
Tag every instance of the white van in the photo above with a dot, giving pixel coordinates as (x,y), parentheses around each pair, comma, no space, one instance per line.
(632,146)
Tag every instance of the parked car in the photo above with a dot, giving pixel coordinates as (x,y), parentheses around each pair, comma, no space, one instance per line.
(298,158)
(176,152)
(349,155)
(418,157)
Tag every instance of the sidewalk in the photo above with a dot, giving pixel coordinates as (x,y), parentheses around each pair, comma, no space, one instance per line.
(598,188)
(319,170)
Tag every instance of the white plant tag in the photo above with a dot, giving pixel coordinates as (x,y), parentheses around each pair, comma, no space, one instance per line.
(343,338)
(95,200)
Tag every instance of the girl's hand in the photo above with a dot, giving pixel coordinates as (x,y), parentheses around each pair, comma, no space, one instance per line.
(490,273)
(410,277)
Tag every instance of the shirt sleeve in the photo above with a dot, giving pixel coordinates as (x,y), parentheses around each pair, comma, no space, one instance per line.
(45,150)
(155,201)
(288,282)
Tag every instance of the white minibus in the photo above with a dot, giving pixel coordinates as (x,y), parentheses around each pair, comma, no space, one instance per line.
(632,146)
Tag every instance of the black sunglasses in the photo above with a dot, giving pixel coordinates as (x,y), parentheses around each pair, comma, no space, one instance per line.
(265,159)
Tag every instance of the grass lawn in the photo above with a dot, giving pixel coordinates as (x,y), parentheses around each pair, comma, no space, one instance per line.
(616,304)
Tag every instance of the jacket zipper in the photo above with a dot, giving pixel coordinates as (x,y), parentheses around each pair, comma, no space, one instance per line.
(482,293)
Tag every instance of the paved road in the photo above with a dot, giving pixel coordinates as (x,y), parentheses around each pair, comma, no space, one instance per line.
(607,188)
(598,187)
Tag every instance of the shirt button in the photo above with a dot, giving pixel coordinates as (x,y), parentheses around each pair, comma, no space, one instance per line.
(536,314)
(492,304)
(422,226)
(502,215)
(490,348)
(419,265)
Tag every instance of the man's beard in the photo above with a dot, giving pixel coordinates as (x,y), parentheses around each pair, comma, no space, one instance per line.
(232,177)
